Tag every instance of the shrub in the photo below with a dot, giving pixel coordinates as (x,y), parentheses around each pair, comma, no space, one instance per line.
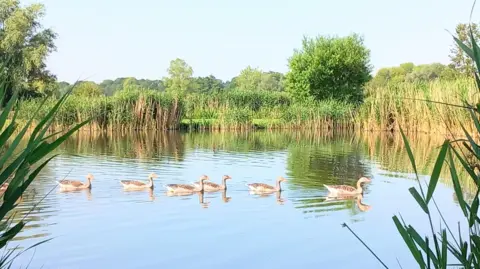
(329,68)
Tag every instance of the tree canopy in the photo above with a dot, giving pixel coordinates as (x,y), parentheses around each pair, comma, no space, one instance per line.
(24,47)
(329,68)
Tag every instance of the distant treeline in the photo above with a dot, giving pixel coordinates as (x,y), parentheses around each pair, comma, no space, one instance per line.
(249,79)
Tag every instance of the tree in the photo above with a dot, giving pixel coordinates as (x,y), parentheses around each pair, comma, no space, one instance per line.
(180,77)
(272,81)
(329,67)
(460,61)
(208,84)
(24,47)
(87,89)
(249,79)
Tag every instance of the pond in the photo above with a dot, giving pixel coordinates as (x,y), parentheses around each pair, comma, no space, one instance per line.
(300,227)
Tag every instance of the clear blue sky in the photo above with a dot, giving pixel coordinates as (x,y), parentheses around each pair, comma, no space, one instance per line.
(100,39)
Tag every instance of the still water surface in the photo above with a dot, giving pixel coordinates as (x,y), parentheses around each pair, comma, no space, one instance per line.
(110,228)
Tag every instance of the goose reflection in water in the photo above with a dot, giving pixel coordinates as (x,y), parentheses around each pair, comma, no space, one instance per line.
(151,195)
(87,191)
(261,194)
(358,200)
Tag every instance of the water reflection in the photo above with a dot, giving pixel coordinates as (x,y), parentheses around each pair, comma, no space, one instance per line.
(309,160)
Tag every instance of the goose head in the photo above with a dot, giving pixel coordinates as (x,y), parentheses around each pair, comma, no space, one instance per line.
(225,177)
(152,176)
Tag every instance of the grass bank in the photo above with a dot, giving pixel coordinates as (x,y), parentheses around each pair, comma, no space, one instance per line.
(384,109)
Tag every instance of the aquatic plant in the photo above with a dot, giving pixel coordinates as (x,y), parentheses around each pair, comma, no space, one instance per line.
(437,249)
(20,165)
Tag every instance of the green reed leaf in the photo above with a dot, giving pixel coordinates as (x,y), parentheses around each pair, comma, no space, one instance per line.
(466,166)
(444,249)
(436,170)
(464,47)
(7,109)
(11,233)
(419,199)
(421,243)
(473,210)
(456,184)
(409,242)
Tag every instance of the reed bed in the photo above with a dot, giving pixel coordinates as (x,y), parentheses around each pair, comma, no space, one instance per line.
(410,105)
(384,109)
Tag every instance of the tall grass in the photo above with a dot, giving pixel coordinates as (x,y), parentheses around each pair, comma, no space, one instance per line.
(404,104)
(384,108)
(137,109)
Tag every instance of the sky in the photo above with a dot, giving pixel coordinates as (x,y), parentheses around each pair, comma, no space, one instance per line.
(106,39)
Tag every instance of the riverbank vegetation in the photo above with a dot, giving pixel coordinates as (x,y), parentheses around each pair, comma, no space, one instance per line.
(329,85)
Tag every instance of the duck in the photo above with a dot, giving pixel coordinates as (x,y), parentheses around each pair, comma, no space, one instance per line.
(139,185)
(67,184)
(262,187)
(185,188)
(210,186)
(336,190)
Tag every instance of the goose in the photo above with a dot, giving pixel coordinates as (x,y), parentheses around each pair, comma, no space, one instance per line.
(67,184)
(185,188)
(210,186)
(262,187)
(139,185)
(336,190)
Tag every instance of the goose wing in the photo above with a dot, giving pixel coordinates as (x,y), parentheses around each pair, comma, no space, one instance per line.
(345,188)
(180,187)
(74,183)
(260,186)
(133,182)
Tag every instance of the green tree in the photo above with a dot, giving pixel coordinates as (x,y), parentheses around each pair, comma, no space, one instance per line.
(24,46)
(208,84)
(249,79)
(329,67)
(180,77)
(87,89)
(459,59)
(272,81)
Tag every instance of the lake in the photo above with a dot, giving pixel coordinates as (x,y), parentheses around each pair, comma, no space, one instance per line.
(108,227)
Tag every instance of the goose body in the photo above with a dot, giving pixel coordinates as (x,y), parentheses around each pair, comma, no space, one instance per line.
(67,184)
(262,187)
(210,186)
(138,185)
(336,190)
(186,188)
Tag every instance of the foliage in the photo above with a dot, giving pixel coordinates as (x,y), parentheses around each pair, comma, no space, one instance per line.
(460,61)
(329,68)
(25,45)
(180,77)
(207,84)
(441,246)
(21,165)
(408,72)
(87,89)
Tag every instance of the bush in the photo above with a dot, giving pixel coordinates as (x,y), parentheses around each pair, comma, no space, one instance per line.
(329,68)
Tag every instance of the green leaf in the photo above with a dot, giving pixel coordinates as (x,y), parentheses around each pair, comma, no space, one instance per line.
(464,47)
(466,166)
(436,171)
(11,233)
(444,249)
(419,199)
(37,155)
(456,184)
(421,243)
(7,109)
(409,242)
(474,210)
